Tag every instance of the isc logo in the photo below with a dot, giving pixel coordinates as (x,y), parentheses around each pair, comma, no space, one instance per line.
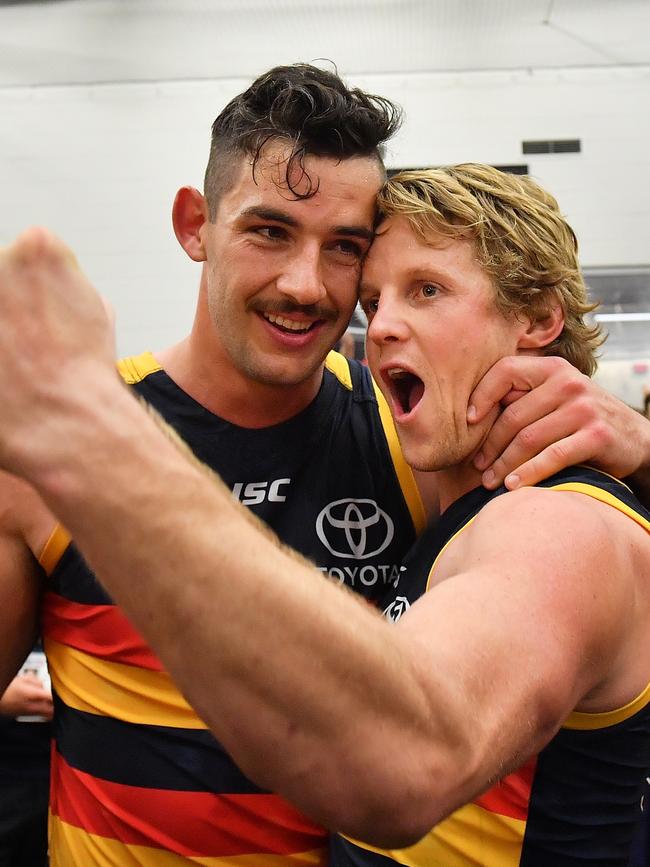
(254,493)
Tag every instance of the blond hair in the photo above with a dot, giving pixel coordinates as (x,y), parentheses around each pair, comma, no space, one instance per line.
(521,238)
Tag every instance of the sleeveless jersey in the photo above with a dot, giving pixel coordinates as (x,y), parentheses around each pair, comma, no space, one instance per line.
(574,804)
(137,779)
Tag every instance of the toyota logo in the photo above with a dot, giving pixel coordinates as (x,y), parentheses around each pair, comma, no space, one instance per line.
(354,529)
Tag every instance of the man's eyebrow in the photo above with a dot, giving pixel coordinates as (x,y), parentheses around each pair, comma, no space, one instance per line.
(269,214)
(354,232)
(278,216)
(366,289)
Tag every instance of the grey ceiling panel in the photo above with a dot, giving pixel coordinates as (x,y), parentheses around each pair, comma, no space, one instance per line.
(90,41)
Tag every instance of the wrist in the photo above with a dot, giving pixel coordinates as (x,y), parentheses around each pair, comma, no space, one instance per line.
(73,422)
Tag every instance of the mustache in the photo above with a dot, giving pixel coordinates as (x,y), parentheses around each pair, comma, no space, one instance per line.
(284,308)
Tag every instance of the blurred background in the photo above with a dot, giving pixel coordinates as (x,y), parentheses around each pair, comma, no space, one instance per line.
(106,108)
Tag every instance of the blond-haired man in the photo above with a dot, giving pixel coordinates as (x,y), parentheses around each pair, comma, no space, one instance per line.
(535,600)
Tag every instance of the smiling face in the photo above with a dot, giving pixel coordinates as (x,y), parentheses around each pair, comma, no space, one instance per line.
(434,330)
(282,274)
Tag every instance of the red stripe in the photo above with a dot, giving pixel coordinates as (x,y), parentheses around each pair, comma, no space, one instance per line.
(101,630)
(186,823)
(511,795)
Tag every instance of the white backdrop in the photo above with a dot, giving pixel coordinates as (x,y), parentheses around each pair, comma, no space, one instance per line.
(100,165)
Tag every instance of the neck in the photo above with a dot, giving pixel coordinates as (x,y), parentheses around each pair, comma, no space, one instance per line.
(456,481)
(213,382)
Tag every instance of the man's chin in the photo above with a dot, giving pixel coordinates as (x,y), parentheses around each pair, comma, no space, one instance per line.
(283,373)
(419,458)
(426,458)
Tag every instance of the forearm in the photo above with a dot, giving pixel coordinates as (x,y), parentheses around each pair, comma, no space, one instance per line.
(306,687)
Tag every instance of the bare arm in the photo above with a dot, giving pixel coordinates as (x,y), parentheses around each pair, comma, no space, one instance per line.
(307,688)
(26,695)
(556,417)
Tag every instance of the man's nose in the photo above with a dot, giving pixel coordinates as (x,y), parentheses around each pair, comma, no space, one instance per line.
(301,278)
(388,323)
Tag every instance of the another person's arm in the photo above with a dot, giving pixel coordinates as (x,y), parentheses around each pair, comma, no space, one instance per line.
(19,581)
(377,730)
(26,695)
(555,417)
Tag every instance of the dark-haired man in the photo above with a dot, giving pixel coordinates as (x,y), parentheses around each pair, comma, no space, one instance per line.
(305,441)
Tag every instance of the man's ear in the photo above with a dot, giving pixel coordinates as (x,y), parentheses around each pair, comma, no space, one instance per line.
(541,332)
(189,213)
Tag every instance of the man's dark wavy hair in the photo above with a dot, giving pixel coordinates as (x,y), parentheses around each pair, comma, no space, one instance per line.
(309,108)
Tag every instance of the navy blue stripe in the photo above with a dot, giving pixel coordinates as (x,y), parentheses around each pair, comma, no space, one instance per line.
(345,854)
(155,757)
(73,579)
(589,476)
(585,795)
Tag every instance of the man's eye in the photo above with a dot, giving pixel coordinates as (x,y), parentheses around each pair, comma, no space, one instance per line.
(350,248)
(370,307)
(273,233)
(429,290)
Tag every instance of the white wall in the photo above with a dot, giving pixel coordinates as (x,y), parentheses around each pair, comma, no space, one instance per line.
(100,165)
(628,379)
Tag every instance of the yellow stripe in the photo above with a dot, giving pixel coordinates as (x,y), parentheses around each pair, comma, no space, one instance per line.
(137,367)
(404,473)
(470,837)
(73,847)
(338,365)
(577,487)
(445,546)
(604,497)
(132,370)
(577,720)
(54,548)
(590,721)
(116,690)
(603,473)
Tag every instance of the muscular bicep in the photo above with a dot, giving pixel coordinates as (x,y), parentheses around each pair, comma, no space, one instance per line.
(532,609)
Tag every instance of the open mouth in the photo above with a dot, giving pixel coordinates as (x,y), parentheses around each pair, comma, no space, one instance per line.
(289,326)
(405,387)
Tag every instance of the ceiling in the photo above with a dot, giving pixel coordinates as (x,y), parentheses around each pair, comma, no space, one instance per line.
(67,42)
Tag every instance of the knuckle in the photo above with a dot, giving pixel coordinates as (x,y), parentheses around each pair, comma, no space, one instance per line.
(527,437)
(531,471)
(574,384)
(34,241)
(556,362)
(559,453)
(552,366)
(511,416)
(34,250)
(504,363)
(586,409)
(601,433)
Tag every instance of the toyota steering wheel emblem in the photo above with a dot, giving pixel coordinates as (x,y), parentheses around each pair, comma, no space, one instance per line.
(354,529)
